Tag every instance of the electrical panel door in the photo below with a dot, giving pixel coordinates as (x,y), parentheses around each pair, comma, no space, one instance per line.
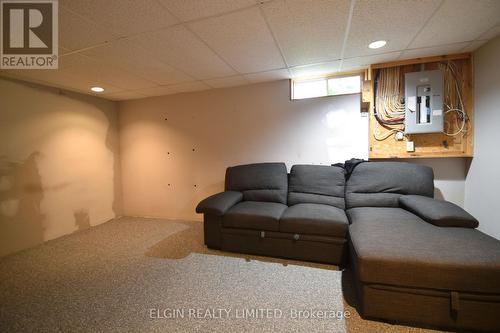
(424,102)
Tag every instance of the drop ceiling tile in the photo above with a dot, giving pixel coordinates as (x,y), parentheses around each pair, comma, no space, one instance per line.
(473,46)
(123,17)
(458,21)
(434,51)
(491,33)
(181,49)
(274,75)
(124,95)
(231,81)
(363,62)
(309,31)
(173,89)
(124,54)
(10,74)
(190,86)
(62,50)
(397,22)
(156,91)
(316,69)
(62,78)
(76,32)
(93,70)
(195,9)
(242,39)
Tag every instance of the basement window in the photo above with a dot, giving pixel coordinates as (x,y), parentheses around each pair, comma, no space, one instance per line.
(326,86)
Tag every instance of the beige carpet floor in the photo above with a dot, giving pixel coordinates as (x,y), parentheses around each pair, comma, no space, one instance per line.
(127,275)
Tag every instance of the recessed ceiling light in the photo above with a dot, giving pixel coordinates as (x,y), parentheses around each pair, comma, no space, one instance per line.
(97,89)
(377,44)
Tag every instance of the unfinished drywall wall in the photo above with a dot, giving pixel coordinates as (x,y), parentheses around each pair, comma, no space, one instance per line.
(483,179)
(175,149)
(59,163)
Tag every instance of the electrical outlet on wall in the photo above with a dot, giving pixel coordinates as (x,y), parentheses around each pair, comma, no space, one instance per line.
(410,146)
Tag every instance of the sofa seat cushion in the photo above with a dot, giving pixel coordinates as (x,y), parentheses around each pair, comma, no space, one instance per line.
(254,215)
(314,219)
(395,247)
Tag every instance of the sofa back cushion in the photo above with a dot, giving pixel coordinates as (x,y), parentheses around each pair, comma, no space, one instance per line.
(259,182)
(380,184)
(319,184)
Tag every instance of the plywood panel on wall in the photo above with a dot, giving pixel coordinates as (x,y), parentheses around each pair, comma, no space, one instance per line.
(432,144)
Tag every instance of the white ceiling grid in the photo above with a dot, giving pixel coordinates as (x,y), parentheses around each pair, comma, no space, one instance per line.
(141,48)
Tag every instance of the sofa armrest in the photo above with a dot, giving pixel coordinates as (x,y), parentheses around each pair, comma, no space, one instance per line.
(438,212)
(219,203)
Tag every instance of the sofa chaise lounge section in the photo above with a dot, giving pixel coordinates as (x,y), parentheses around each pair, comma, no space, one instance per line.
(416,259)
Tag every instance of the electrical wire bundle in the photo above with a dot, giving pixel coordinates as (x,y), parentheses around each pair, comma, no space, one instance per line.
(389,108)
(453,100)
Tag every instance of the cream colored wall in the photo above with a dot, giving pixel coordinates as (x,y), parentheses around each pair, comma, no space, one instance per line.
(449,177)
(175,149)
(483,179)
(59,164)
(164,177)
(60,170)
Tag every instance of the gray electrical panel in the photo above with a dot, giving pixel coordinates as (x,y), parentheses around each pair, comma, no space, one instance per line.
(424,102)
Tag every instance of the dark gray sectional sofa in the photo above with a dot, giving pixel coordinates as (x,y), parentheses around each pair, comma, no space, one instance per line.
(414,259)
(263,212)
